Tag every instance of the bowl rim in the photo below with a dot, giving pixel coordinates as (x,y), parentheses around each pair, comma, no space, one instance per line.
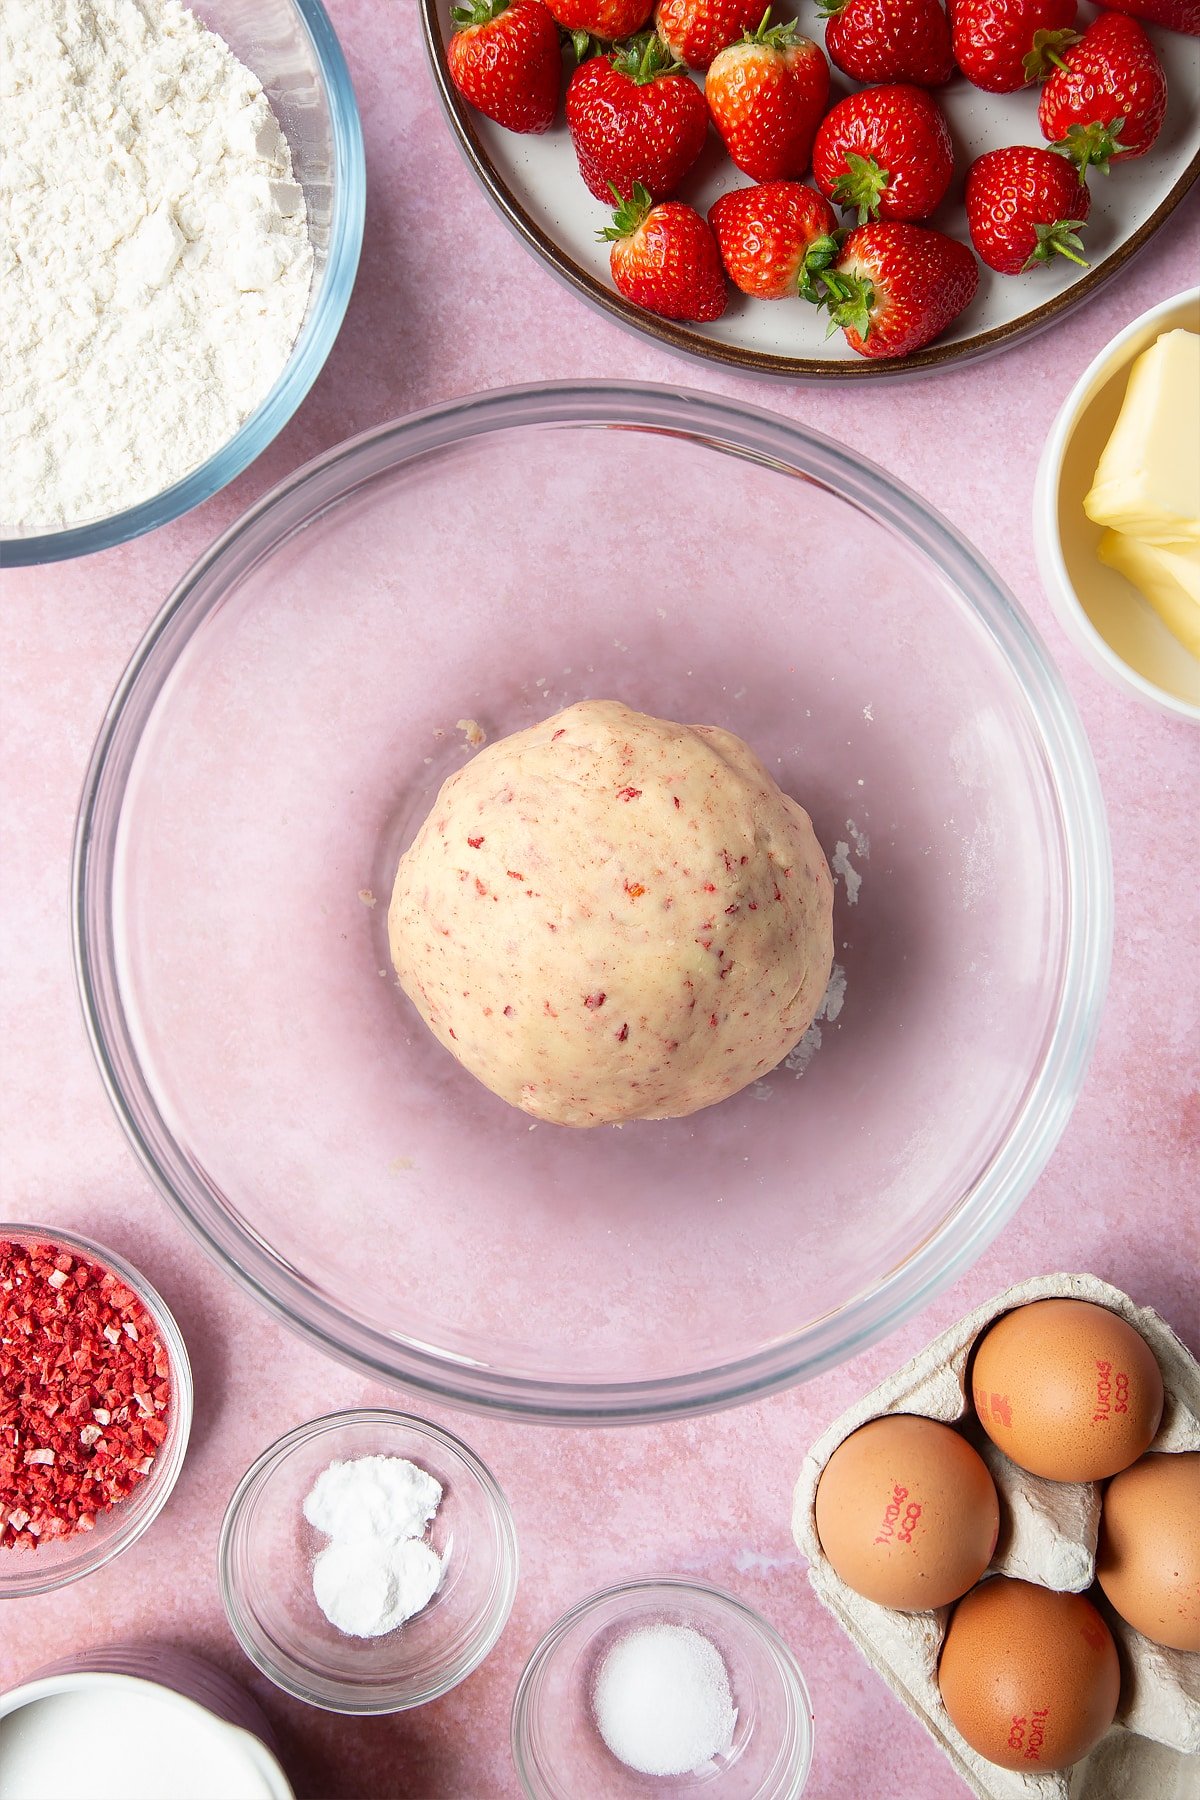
(671,1590)
(305,359)
(686,339)
(326,1692)
(156,1490)
(1040,1117)
(1052,564)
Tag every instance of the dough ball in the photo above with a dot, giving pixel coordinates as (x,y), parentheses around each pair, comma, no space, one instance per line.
(611,917)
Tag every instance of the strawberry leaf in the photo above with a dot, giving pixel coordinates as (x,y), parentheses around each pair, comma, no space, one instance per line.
(477,12)
(584,46)
(849,299)
(821,253)
(1046,54)
(644,59)
(776,37)
(1092,146)
(1059,239)
(629,214)
(861,186)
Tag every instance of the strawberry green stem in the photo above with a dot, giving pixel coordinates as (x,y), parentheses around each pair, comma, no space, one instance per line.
(817,258)
(1092,146)
(1059,239)
(477,12)
(629,214)
(776,37)
(644,59)
(1047,53)
(862,185)
(849,299)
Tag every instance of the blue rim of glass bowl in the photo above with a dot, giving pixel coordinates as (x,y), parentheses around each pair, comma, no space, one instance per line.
(1085,874)
(308,355)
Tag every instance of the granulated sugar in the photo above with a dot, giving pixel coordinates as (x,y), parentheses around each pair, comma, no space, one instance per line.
(662,1700)
(155,262)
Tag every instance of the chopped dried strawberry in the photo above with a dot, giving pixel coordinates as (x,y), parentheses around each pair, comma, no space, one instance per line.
(85,1392)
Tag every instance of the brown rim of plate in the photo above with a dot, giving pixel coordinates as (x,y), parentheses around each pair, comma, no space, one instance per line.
(763,362)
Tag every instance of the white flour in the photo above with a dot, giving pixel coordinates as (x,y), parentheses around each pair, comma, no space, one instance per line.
(155,261)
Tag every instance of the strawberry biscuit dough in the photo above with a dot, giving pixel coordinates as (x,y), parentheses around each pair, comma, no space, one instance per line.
(611,917)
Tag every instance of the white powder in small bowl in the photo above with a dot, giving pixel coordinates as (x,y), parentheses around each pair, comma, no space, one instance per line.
(366,1589)
(377,1570)
(662,1701)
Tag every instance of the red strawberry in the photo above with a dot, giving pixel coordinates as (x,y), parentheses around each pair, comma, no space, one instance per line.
(1176,15)
(505,58)
(664,258)
(895,287)
(774,238)
(609,19)
(766,96)
(886,152)
(634,116)
(993,40)
(1107,95)
(1024,207)
(889,40)
(695,30)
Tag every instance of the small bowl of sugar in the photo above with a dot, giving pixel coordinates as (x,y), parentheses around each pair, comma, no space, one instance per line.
(368,1562)
(662,1685)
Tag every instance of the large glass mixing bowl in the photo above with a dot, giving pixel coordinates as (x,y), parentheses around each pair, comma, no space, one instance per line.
(285,726)
(292,48)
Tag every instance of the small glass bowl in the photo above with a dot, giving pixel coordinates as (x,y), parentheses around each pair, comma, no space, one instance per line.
(60,1560)
(557,1747)
(266,1554)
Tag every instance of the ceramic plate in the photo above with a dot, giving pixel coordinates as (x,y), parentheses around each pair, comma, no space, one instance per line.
(535,184)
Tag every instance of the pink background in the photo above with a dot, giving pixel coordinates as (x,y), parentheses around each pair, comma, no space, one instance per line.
(448,303)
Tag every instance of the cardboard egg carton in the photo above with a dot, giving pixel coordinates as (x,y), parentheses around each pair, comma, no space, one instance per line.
(1048,1533)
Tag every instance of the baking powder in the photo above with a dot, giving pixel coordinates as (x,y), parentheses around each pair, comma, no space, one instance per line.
(155,262)
(377,1570)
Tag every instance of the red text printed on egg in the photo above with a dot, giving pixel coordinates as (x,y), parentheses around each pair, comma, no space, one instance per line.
(1028,1735)
(998,1406)
(899,1520)
(1112,1392)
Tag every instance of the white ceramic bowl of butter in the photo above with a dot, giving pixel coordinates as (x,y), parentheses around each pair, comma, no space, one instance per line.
(1102,612)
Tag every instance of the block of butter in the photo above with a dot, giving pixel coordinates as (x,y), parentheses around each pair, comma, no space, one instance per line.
(1169,577)
(1147,482)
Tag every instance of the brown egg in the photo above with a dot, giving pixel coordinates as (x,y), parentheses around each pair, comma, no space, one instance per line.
(1067,1389)
(1030,1677)
(907,1513)
(1148,1562)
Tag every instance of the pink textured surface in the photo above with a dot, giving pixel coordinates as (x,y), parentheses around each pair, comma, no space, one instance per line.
(709,1498)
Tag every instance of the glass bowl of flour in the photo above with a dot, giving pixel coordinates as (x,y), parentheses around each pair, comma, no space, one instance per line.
(178,257)
(368,1562)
